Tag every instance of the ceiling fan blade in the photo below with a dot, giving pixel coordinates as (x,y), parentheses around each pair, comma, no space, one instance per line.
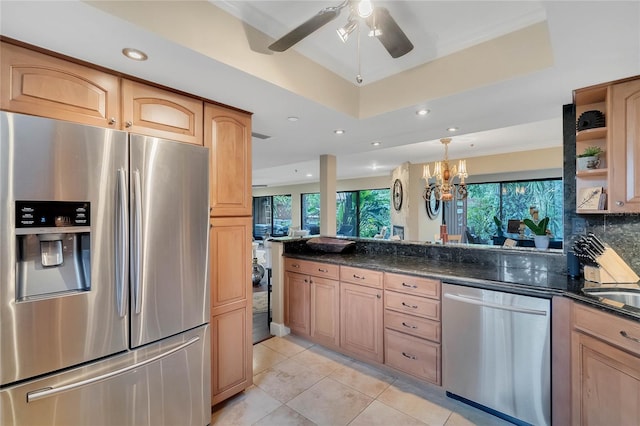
(323,17)
(392,37)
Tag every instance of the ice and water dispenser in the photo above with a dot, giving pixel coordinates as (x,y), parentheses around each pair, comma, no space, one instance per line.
(53,248)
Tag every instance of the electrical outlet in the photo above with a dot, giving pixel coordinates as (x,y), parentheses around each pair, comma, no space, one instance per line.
(578,226)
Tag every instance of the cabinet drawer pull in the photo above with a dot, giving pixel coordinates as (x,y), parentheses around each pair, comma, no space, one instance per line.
(306,281)
(379,296)
(322,270)
(295,265)
(128,124)
(406,355)
(358,277)
(112,121)
(625,335)
(409,285)
(409,325)
(410,306)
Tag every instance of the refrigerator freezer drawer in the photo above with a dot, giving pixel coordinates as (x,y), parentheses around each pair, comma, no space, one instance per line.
(165,383)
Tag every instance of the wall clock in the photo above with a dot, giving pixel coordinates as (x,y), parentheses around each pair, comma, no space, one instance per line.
(397,194)
(433,206)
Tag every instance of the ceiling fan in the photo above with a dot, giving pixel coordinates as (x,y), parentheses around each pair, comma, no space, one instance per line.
(379,20)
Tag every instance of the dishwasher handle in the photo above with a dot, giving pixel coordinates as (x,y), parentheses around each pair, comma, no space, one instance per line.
(473,301)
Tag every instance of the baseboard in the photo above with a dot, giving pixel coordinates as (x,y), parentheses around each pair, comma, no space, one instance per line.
(279,330)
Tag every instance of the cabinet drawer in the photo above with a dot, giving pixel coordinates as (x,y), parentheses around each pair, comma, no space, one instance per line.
(607,327)
(361,276)
(412,355)
(414,305)
(412,285)
(416,326)
(317,269)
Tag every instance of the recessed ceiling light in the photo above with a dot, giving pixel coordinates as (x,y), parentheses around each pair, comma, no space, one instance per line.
(338,132)
(309,175)
(452,129)
(293,118)
(422,111)
(376,143)
(135,54)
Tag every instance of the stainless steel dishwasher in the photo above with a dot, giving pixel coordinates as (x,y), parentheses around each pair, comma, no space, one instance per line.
(496,352)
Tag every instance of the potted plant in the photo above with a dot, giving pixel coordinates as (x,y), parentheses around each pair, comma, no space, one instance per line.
(540,232)
(590,158)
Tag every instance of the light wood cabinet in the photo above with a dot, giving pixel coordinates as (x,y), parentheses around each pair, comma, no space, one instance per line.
(605,368)
(231,313)
(38,84)
(625,147)
(361,314)
(231,356)
(412,325)
(312,301)
(619,138)
(227,133)
(152,111)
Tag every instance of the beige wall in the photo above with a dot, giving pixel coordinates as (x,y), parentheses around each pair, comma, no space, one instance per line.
(538,164)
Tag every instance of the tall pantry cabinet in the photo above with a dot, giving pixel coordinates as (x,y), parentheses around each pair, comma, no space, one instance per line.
(227,133)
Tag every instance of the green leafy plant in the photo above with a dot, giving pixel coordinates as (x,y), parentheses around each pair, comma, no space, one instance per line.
(538,229)
(591,151)
(499,230)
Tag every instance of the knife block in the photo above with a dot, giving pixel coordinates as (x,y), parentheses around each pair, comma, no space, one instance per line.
(613,269)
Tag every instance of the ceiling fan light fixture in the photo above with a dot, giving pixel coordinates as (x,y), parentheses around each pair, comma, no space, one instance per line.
(365,8)
(346,30)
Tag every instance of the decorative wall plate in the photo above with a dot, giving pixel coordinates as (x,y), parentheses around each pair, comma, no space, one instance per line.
(397,194)
(433,206)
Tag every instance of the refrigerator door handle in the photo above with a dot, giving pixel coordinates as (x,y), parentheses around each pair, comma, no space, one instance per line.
(473,301)
(137,238)
(51,391)
(123,231)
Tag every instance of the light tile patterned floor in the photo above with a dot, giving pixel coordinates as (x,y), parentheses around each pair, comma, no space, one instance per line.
(299,383)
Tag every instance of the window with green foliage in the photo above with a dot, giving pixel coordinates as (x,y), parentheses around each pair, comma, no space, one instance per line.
(311,212)
(271,215)
(513,200)
(358,213)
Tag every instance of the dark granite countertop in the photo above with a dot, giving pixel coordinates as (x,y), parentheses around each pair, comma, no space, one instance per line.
(537,281)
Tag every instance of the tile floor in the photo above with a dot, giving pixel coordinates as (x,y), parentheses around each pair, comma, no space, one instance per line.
(299,383)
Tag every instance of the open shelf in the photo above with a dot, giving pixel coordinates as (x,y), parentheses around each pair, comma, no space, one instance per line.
(595,173)
(591,134)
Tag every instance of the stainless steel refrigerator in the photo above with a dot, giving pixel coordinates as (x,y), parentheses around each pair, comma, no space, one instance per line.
(104,288)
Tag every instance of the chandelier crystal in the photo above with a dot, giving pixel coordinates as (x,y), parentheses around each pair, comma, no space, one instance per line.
(442,183)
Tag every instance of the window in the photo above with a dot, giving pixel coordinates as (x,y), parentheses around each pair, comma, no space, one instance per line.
(271,215)
(363,213)
(513,200)
(311,212)
(358,213)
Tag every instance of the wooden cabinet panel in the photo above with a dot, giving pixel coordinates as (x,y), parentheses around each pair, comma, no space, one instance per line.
(325,311)
(412,285)
(297,301)
(361,315)
(151,111)
(606,383)
(416,326)
(414,305)
(231,352)
(607,327)
(624,187)
(227,133)
(230,262)
(317,269)
(361,276)
(37,84)
(415,356)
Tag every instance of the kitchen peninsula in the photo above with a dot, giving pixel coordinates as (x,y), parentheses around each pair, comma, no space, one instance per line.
(412,275)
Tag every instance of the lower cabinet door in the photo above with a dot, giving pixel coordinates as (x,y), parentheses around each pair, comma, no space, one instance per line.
(232,359)
(415,356)
(297,302)
(325,315)
(361,313)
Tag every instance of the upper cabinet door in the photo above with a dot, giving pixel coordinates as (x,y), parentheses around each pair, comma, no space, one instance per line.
(625,147)
(227,133)
(38,84)
(151,111)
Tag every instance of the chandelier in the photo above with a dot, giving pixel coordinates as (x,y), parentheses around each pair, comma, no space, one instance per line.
(442,183)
